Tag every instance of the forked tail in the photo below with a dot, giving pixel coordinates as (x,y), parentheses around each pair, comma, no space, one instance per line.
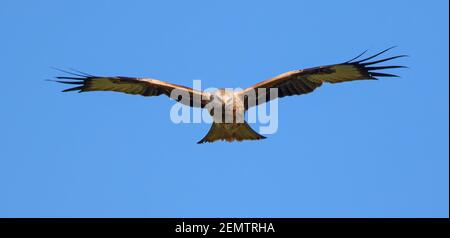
(230,132)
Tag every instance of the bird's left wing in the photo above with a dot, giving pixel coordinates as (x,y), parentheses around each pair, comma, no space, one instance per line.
(304,81)
(137,86)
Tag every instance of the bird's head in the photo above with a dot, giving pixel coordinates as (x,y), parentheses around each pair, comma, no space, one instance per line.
(223,96)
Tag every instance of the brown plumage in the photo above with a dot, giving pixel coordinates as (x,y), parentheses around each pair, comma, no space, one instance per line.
(304,81)
(295,82)
(230,132)
(137,86)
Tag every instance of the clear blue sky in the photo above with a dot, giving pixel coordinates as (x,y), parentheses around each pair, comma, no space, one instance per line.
(359,149)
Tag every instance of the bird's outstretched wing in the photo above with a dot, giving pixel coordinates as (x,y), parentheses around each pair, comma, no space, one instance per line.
(304,81)
(137,86)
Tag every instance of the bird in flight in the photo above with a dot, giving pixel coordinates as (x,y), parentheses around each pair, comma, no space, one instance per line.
(291,83)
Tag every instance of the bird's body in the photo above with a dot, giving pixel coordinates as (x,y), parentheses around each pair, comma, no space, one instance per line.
(232,106)
(227,110)
(227,107)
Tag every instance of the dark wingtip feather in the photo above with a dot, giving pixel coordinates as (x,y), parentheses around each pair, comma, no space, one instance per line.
(73,89)
(357,56)
(82,73)
(375,55)
(385,67)
(74,73)
(66,82)
(375,74)
(383,60)
(72,78)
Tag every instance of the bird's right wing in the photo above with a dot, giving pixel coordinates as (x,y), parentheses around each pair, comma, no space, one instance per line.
(137,86)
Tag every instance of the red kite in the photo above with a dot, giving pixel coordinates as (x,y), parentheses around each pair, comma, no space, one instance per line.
(295,82)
